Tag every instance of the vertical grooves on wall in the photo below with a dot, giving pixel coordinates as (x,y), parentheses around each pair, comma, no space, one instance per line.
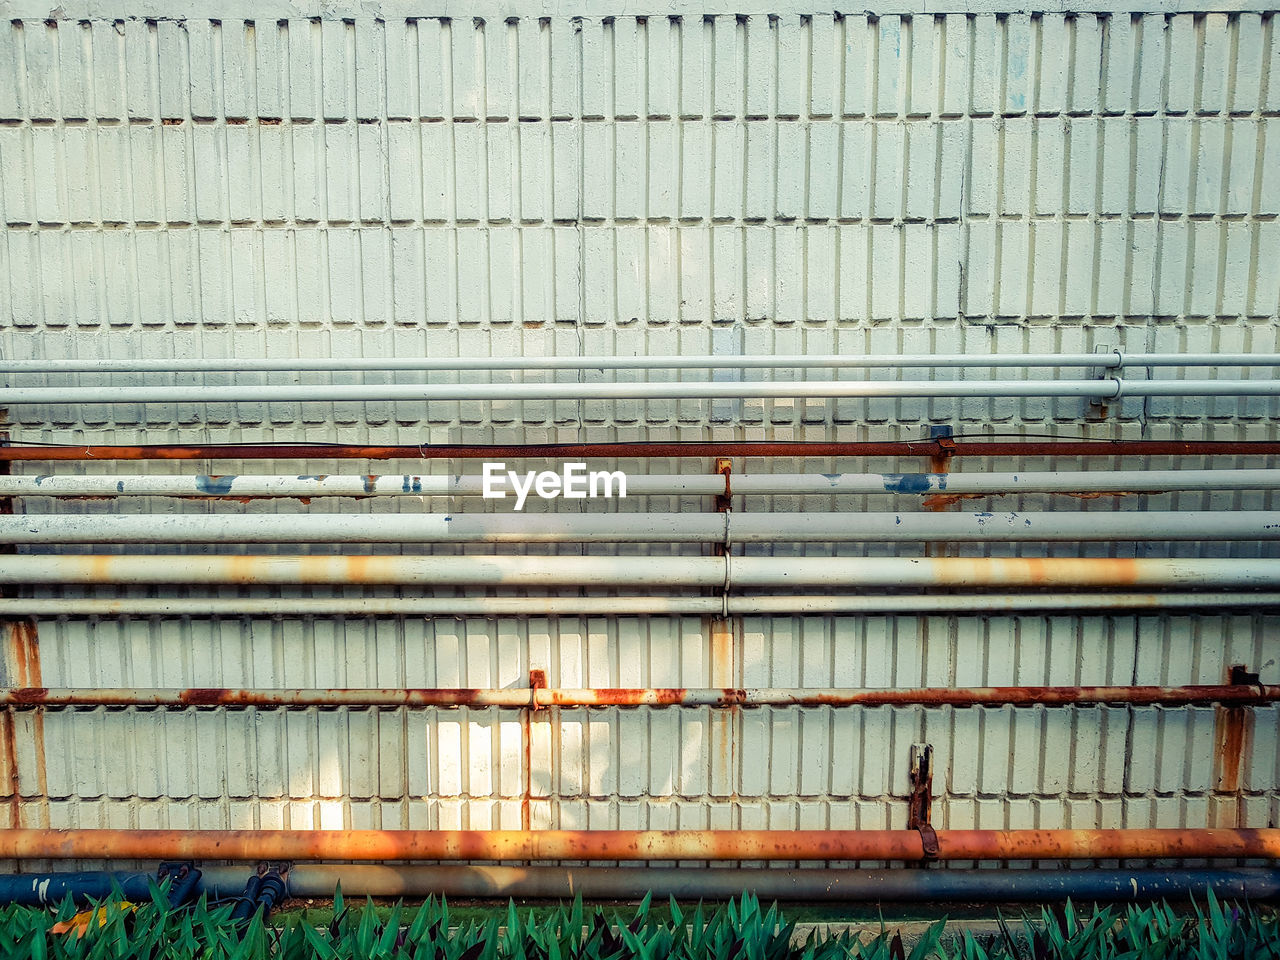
(881,227)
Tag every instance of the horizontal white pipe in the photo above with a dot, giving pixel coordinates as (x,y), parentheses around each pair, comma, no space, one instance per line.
(795,484)
(834,361)
(1103,389)
(639,527)
(760,605)
(664,572)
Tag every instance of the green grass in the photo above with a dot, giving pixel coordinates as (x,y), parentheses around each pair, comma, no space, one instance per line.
(740,929)
(464,911)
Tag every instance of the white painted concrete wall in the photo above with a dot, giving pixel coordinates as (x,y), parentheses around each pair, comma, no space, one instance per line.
(562,180)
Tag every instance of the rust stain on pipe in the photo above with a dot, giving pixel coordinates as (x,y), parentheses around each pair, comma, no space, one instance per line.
(1107,844)
(902,845)
(938,501)
(386,569)
(627,697)
(902,448)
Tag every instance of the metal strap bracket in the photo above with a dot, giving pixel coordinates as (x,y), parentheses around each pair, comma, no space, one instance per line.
(919,810)
(537,681)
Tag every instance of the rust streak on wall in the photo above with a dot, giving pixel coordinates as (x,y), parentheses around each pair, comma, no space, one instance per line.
(1231,733)
(24,656)
(1232,738)
(22,666)
(724,723)
(537,681)
(9,759)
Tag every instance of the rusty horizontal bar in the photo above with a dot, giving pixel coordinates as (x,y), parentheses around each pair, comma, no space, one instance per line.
(519,697)
(561,451)
(640,845)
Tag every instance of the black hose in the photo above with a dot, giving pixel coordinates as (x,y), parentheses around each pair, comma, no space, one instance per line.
(185,885)
(38,889)
(271,891)
(248,902)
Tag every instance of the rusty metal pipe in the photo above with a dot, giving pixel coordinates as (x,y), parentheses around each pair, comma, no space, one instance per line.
(644,449)
(610,606)
(651,571)
(640,845)
(1055,696)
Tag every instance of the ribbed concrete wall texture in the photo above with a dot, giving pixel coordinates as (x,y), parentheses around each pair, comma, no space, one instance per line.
(351,180)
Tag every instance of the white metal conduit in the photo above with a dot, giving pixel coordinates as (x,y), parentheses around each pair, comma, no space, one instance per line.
(727,527)
(521,572)
(1111,359)
(416,485)
(1110,388)
(738,605)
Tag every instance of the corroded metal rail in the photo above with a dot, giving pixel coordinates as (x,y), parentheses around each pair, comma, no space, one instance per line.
(538,697)
(640,845)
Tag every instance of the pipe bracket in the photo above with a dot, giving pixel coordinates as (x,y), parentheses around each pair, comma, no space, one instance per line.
(724,506)
(919,810)
(537,681)
(928,841)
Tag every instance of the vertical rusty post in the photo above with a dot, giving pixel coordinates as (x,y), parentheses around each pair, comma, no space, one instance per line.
(1232,738)
(537,681)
